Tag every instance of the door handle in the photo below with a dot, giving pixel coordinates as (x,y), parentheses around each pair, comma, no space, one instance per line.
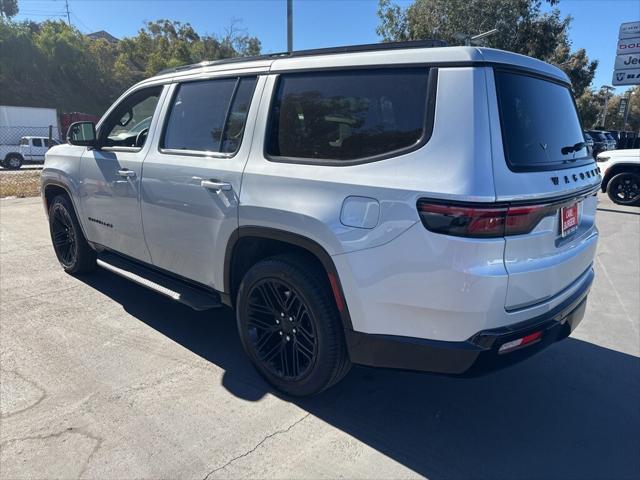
(125,172)
(215,185)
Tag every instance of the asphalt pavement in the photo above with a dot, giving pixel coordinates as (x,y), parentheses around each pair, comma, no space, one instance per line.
(101,378)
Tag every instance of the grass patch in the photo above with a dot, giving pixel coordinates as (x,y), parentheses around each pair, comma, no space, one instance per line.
(20,184)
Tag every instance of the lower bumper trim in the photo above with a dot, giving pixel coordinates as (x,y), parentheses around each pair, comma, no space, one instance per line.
(475,356)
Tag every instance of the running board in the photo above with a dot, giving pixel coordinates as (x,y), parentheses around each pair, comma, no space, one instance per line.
(196,298)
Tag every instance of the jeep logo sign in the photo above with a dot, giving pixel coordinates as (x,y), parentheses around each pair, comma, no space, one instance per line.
(627,61)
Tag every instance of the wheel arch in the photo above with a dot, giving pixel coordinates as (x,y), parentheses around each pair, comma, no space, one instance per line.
(616,169)
(248,245)
(52,188)
(14,154)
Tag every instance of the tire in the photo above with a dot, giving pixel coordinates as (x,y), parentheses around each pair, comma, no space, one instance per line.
(624,188)
(12,162)
(290,327)
(73,252)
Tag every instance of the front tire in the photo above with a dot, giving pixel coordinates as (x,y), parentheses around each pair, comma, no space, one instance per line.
(624,188)
(12,162)
(290,327)
(73,252)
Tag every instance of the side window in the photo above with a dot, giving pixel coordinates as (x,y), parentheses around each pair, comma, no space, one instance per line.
(209,116)
(24,141)
(128,124)
(36,142)
(348,115)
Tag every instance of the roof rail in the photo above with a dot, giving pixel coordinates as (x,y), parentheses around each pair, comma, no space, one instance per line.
(367,47)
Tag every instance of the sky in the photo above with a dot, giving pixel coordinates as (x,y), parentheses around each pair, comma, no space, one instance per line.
(317,23)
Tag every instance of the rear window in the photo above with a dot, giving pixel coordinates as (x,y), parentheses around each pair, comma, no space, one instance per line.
(540,125)
(347,115)
(209,116)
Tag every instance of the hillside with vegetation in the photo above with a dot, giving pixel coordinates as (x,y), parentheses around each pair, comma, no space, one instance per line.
(52,64)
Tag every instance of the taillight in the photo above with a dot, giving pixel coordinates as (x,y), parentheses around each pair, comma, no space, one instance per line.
(481,221)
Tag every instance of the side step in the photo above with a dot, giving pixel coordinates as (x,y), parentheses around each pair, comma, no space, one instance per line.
(194,297)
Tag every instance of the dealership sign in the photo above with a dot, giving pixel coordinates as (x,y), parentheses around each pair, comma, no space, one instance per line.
(628,45)
(630,29)
(627,65)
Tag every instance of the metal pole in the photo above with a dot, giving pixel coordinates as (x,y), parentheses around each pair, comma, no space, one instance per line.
(626,112)
(289,25)
(606,89)
(66,3)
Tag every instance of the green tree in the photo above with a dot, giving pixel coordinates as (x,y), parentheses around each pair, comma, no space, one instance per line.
(52,64)
(522,28)
(8,8)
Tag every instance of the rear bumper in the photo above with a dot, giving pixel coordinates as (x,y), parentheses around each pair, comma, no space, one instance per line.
(475,356)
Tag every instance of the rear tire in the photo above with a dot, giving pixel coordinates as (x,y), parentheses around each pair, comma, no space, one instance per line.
(12,162)
(73,252)
(290,327)
(624,188)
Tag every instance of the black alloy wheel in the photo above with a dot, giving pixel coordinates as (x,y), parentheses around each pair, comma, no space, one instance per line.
(72,249)
(281,329)
(290,326)
(624,188)
(63,236)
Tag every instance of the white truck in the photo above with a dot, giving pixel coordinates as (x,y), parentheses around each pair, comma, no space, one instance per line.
(24,134)
(29,150)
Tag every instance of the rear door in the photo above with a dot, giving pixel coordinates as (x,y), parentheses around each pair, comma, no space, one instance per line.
(542,166)
(191,181)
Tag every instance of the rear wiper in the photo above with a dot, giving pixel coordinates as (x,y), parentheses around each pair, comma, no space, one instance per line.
(572,148)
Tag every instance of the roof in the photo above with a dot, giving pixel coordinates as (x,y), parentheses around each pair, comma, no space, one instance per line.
(398,53)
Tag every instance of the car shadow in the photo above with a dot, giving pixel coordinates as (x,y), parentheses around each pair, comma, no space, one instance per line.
(573,411)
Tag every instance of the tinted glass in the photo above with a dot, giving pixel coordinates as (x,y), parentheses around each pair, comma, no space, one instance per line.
(540,125)
(36,142)
(197,115)
(234,127)
(24,141)
(347,115)
(119,130)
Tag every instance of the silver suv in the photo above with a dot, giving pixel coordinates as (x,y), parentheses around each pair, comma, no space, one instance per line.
(392,205)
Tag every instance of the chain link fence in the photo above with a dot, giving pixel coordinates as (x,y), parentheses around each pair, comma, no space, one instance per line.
(22,150)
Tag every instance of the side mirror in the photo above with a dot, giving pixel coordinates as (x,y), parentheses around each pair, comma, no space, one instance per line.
(82,134)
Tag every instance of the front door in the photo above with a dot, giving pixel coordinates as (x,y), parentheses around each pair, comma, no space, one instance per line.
(191,182)
(110,176)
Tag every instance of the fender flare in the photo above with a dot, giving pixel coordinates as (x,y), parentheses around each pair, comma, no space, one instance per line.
(50,182)
(311,246)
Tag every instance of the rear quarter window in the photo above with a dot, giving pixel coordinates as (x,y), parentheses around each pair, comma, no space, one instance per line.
(540,125)
(342,117)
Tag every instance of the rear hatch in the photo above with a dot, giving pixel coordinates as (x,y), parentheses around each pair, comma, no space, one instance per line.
(543,170)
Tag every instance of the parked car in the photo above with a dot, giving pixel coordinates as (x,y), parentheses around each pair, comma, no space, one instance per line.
(589,141)
(29,150)
(600,142)
(611,141)
(345,205)
(621,175)
(615,135)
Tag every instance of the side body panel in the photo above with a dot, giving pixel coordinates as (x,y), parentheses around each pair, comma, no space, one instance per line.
(187,226)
